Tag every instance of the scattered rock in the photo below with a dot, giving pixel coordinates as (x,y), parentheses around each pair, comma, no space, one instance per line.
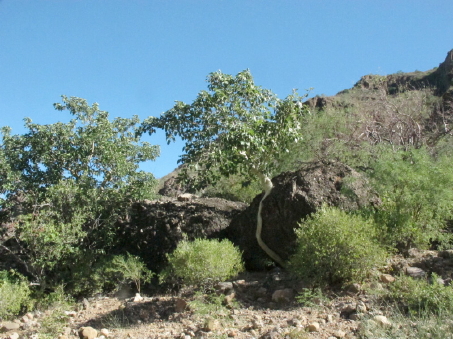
(185,197)
(228,300)
(361,307)
(232,333)
(348,308)
(224,287)
(180,305)
(415,272)
(9,326)
(88,333)
(376,286)
(339,334)
(257,323)
(313,327)
(354,288)
(386,278)
(354,316)
(86,304)
(70,313)
(382,321)
(138,298)
(13,335)
(105,332)
(284,295)
(211,325)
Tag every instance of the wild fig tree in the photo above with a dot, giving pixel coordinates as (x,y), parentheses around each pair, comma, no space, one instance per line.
(235,127)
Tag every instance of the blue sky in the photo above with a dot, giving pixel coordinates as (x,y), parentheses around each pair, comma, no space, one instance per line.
(136,57)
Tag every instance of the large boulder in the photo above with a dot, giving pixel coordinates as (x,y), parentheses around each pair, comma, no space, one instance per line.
(154,228)
(295,196)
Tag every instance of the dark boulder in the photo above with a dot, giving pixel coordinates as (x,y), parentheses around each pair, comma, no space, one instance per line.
(154,228)
(296,195)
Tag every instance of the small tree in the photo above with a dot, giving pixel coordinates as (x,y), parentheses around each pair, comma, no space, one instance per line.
(236,127)
(65,184)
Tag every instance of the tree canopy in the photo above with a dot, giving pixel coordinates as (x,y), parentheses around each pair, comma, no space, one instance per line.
(64,185)
(233,127)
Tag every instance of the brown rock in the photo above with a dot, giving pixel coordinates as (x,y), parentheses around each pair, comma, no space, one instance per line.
(339,334)
(232,333)
(224,287)
(354,288)
(88,333)
(228,300)
(180,305)
(211,325)
(313,327)
(9,326)
(295,196)
(284,295)
(387,278)
(185,197)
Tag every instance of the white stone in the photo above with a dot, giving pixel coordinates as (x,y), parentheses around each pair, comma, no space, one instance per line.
(313,327)
(382,320)
(138,298)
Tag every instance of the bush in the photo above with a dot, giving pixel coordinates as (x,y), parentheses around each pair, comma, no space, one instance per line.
(204,262)
(14,294)
(65,185)
(130,269)
(416,191)
(422,297)
(335,247)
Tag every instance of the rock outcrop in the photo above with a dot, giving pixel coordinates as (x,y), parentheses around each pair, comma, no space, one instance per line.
(295,196)
(155,227)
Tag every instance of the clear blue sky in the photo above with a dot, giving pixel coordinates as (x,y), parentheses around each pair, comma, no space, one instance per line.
(138,56)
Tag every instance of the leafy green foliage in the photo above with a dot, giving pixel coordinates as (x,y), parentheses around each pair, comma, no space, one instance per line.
(422,296)
(236,127)
(311,297)
(130,269)
(234,188)
(14,294)
(90,150)
(417,195)
(55,318)
(204,262)
(66,184)
(335,247)
(210,304)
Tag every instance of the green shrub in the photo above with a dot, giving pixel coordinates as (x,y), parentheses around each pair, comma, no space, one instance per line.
(417,195)
(55,319)
(130,269)
(335,247)
(421,296)
(204,262)
(14,294)
(209,305)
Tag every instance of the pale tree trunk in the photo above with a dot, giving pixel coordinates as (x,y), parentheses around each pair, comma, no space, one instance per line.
(266,183)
